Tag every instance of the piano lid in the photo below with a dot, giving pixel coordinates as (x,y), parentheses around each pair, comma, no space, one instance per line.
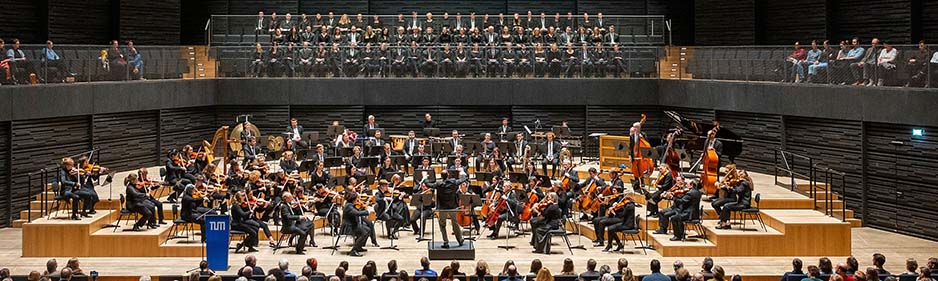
(695,134)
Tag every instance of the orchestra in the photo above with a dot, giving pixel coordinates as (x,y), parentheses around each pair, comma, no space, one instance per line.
(254,192)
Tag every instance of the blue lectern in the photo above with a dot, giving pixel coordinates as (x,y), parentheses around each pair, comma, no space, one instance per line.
(216,233)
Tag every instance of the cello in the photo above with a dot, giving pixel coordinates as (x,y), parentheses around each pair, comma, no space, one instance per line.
(711,162)
(640,164)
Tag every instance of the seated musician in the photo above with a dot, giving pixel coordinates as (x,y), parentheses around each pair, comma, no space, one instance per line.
(492,167)
(377,140)
(425,164)
(624,210)
(422,213)
(319,154)
(387,152)
(518,152)
(236,178)
(410,147)
(371,125)
(582,186)
(677,195)
(530,170)
(464,189)
(241,221)
(664,182)
(260,165)
(323,202)
(352,168)
(726,192)
(71,189)
(177,174)
(548,218)
(606,218)
(250,151)
(743,192)
(193,209)
(458,166)
(142,176)
(288,163)
(294,222)
(386,169)
(615,177)
(488,145)
(384,210)
(688,209)
(259,188)
(92,176)
(551,154)
(296,136)
(355,218)
(194,164)
(499,158)
(320,175)
(137,202)
(510,213)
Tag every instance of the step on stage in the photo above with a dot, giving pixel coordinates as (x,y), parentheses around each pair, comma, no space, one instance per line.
(455,252)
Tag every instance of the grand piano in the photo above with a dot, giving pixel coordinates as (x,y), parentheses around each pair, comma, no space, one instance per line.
(694,137)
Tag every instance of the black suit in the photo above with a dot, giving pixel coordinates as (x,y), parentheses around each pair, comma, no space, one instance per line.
(299,134)
(689,208)
(550,219)
(551,155)
(137,202)
(516,154)
(447,196)
(294,223)
(626,217)
(353,220)
(663,185)
(250,153)
(743,193)
(240,221)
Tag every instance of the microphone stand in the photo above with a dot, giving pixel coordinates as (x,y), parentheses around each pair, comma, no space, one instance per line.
(511,213)
(390,231)
(110,199)
(202,241)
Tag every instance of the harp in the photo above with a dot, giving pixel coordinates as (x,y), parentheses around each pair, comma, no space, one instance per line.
(220,140)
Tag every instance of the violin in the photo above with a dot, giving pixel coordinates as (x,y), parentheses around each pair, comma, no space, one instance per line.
(178,160)
(93,168)
(621,204)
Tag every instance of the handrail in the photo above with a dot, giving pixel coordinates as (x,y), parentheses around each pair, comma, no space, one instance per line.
(817,173)
(208,32)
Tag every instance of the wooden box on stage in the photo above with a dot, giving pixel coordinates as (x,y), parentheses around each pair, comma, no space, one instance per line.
(613,151)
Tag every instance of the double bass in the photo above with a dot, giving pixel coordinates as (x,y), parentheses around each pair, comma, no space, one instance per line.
(711,162)
(640,164)
(670,156)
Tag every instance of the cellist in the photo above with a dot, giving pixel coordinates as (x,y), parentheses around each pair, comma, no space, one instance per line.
(584,188)
(510,197)
(663,183)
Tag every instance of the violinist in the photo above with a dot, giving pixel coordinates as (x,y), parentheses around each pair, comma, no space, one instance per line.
(615,178)
(727,188)
(212,193)
(137,202)
(194,163)
(295,223)
(664,182)
(624,210)
(743,191)
(549,218)
(386,169)
(519,152)
(177,174)
(193,209)
(324,204)
(260,189)
(385,197)
(676,194)
(423,212)
(241,221)
(603,218)
(236,179)
(320,176)
(71,189)
(447,198)
(355,218)
(92,174)
(288,163)
(250,151)
(688,208)
(146,184)
(512,207)
(259,164)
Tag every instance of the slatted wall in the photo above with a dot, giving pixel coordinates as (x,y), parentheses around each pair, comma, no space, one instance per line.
(251,7)
(474,120)
(907,202)
(550,116)
(886,19)
(612,7)
(319,118)
(616,120)
(267,119)
(761,134)
(397,120)
(929,23)
(127,140)
(41,143)
(5,171)
(393,7)
(25,18)
(182,126)
(719,22)
(150,22)
(81,21)
(836,143)
(780,28)
(311,7)
(681,14)
(549,7)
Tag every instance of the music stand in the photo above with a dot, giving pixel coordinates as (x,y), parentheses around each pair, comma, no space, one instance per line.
(545,180)
(448,148)
(370,162)
(398,160)
(518,177)
(419,176)
(471,146)
(471,201)
(431,132)
(503,146)
(371,132)
(421,202)
(417,158)
(336,181)
(560,130)
(332,162)
(484,177)
(375,150)
(344,152)
(388,176)
(335,130)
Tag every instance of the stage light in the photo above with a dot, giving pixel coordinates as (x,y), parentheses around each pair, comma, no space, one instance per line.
(918,132)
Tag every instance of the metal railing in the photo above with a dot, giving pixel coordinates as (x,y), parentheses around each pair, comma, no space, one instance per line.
(911,66)
(817,175)
(413,62)
(632,29)
(88,63)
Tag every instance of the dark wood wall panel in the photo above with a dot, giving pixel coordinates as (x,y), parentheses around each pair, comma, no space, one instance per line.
(761,134)
(194,14)
(719,22)
(25,18)
(40,143)
(251,7)
(268,119)
(150,22)
(779,28)
(886,19)
(627,7)
(473,120)
(835,143)
(929,23)
(184,126)
(5,171)
(894,203)
(127,140)
(319,118)
(311,7)
(681,14)
(616,120)
(550,116)
(398,120)
(548,7)
(81,22)
(394,7)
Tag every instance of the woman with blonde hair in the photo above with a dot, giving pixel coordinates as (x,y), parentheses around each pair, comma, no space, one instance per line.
(627,275)
(482,269)
(544,275)
(718,274)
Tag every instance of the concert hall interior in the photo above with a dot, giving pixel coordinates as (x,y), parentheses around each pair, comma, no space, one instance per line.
(489,140)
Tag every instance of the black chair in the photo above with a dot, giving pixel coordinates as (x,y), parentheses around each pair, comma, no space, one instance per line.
(563,234)
(633,234)
(124,212)
(180,225)
(566,277)
(795,277)
(241,235)
(284,237)
(697,225)
(752,213)
(59,202)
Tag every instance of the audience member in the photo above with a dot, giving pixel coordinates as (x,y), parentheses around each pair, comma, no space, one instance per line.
(718,274)
(134,61)
(65,274)
(825,266)
(34,276)
(879,260)
(567,267)
(511,274)
(204,270)
(446,274)
(535,267)
(681,274)
(482,269)
(796,266)
(52,270)
(842,271)
(924,274)
(56,69)
(455,266)
(590,273)
(284,266)
(75,266)
(656,273)
(853,265)
(544,275)
(814,274)
(885,63)
(424,268)
(795,60)
(911,267)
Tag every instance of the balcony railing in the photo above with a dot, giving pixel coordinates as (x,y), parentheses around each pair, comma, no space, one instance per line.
(87,63)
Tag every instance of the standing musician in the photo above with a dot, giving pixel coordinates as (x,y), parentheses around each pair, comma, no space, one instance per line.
(513,205)
(549,217)
(250,151)
(717,146)
(72,190)
(295,223)
(743,191)
(423,212)
(296,135)
(371,125)
(428,121)
(447,198)
(142,177)
(519,152)
(355,217)
(241,221)
(664,182)
(625,211)
(384,209)
(193,209)
(635,138)
(456,140)
(137,202)
(411,144)
(688,208)
(551,153)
